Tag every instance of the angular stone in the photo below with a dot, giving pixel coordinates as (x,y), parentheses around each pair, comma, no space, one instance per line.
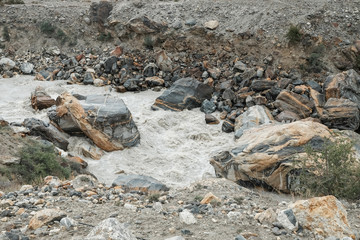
(208,106)
(265,154)
(254,116)
(185,93)
(154,81)
(84,181)
(110,229)
(163,61)
(110,64)
(117,52)
(288,220)
(268,215)
(105,120)
(209,197)
(150,70)
(324,216)
(47,132)
(141,183)
(144,25)
(212,25)
(187,217)
(45,216)
(7,64)
(261,85)
(40,99)
(228,126)
(343,85)
(292,102)
(27,68)
(341,114)
(210,119)
(88,78)
(287,116)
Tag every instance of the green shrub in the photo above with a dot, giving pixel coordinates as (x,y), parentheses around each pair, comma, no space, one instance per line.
(149,42)
(154,197)
(6,34)
(47,28)
(198,198)
(294,35)
(38,161)
(2,2)
(330,170)
(105,37)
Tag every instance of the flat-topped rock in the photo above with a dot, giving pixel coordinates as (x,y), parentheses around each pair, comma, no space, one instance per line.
(139,183)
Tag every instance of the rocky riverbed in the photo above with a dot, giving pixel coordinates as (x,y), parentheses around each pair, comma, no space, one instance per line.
(175,107)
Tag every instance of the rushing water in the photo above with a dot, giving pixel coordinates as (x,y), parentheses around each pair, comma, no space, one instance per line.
(175,147)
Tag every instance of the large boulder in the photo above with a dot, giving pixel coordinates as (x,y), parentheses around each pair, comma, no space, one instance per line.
(144,25)
(341,114)
(47,132)
(323,216)
(105,120)
(343,85)
(254,116)
(265,154)
(293,102)
(44,217)
(40,99)
(185,93)
(141,183)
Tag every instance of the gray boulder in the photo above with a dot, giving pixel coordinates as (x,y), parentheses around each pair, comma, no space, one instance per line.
(139,183)
(7,63)
(185,93)
(27,68)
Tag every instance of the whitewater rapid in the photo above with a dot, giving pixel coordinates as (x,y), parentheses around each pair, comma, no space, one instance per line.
(175,147)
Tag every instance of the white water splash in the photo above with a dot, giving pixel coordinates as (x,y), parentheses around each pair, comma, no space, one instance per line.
(175,147)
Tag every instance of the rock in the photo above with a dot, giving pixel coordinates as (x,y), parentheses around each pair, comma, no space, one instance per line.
(261,85)
(78,160)
(88,78)
(3,123)
(44,75)
(132,84)
(141,183)
(214,73)
(254,116)
(240,237)
(209,197)
(27,68)
(264,154)
(7,64)
(45,216)
(67,222)
(54,51)
(158,207)
(144,25)
(88,150)
(208,106)
(117,52)
(150,70)
(343,85)
(288,220)
(287,116)
(163,61)
(212,25)
(185,93)
(292,102)
(190,22)
(98,82)
(240,66)
(154,81)
(110,229)
(110,64)
(84,181)
(187,217)
(228,94)
(228,126)
(105,120)
(40,99)
(46,132)
(210,119)
(341,114)
(268,215)
(324,216)
(234,215)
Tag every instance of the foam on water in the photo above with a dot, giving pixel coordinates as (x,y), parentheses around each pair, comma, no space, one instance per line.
(175,147)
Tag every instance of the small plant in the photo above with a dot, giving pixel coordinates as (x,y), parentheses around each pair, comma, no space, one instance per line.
(105,37)
(294,35)
(6,34)
(215,203)
(331,169)
(60,35)
(198,198)
(154,197)
(238,200)
(47,28)
(2,2)
(149,42)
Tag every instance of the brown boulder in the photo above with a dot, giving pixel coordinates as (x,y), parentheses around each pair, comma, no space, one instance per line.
(44,217)
(341,114)
(265,154)
(293,102)
(40,99)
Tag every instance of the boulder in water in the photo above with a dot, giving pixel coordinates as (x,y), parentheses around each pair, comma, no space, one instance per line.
(185,93)
(40,99)
(139,183)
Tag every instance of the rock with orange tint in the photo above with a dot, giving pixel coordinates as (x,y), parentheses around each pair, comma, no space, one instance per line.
(117,52)
(40,99)
(343,85)
(44,217)
(209,197)
(324,216)
(264,155)
(293,102)
(105,120)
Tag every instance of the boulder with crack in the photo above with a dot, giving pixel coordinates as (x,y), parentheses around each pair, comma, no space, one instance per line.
(105,120)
